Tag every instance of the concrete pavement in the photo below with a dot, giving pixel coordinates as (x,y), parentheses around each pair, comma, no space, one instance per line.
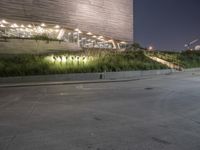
(160,113)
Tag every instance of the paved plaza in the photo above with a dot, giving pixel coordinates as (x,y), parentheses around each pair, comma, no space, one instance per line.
(161,113)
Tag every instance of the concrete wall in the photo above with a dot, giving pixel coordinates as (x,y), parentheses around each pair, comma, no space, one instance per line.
(112,18)
(19,46)
(86,76)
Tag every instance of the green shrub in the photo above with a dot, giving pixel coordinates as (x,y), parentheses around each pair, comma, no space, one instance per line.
(97,61)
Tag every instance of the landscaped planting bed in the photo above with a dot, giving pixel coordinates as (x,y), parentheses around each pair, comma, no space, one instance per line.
(87,61)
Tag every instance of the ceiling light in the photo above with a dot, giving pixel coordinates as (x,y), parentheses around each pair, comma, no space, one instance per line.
(43,25)
(4,22)
(123,42)
(57,27)
(89,33)
(2,26)
(30,26)
(100,37)
(14,25)
(77,30)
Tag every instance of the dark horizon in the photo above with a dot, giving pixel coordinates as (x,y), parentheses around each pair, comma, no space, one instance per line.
(166,25)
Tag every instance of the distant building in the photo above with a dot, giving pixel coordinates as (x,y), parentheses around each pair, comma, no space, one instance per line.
(89,23)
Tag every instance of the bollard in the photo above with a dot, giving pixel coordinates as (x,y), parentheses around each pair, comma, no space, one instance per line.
(101,76)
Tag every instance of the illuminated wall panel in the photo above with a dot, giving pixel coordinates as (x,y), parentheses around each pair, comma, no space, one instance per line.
(112,18)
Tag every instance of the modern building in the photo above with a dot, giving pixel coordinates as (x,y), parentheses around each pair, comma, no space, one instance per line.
(89,23)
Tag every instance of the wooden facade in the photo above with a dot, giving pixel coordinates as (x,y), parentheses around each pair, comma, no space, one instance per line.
(111,18)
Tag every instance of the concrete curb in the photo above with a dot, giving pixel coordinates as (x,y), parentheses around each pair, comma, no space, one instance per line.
(80,78)
(192,70)
(66,83)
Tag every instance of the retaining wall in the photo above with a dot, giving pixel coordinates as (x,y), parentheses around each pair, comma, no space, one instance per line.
(86,76)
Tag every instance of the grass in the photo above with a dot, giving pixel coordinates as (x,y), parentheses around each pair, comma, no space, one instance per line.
(75,62)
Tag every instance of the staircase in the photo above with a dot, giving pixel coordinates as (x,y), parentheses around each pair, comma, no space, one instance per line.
(164,62)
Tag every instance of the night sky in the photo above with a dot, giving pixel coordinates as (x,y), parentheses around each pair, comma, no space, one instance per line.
(166,24)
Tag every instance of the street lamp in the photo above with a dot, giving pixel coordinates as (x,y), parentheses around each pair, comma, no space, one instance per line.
(150,48)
